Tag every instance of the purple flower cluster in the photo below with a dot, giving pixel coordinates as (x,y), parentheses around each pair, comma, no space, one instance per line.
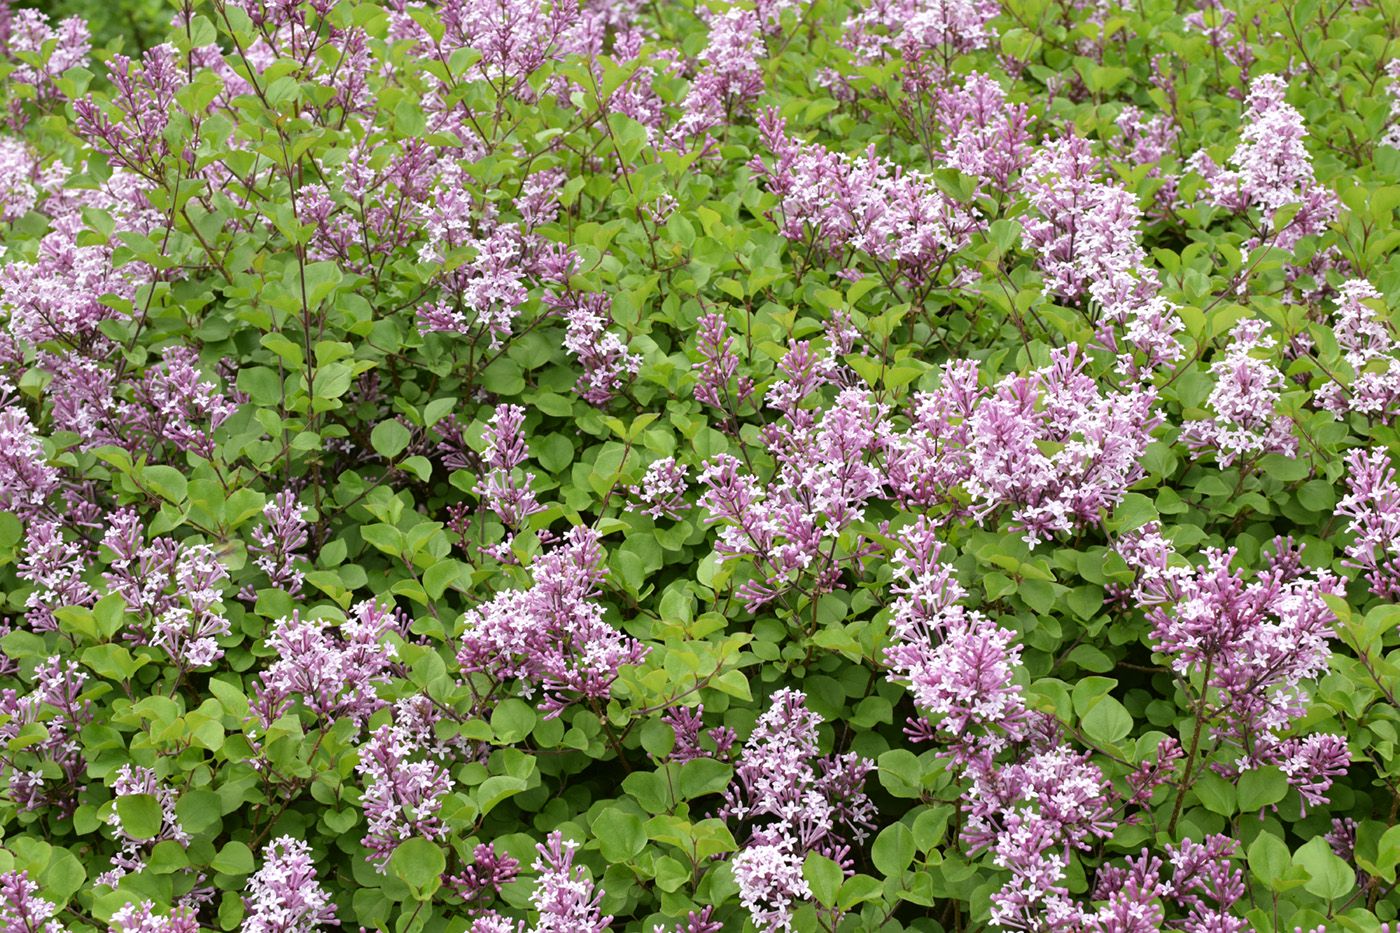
(566,899)
(794,801)
(137,780)
(984,134)
(55,702)
(21,909)
(1271,167)
(143,102)
(284,895)
(552,636)
(404,787)
(686,725)
(915,29)
(717,382)
(1370,348)
(39,52)
(662,490)
(276,542)
(1085,233)
(1245,399)
(142,918)
(333,673)
(834,205)
(480,881)
(1203,885)
(608,364)
(1056,448)
(26,479)
(176,588)
(958,665)
(503,487)
(791,527)
(729,74)
(54,565)
(1372,508)
(1247,646)
(1030,814)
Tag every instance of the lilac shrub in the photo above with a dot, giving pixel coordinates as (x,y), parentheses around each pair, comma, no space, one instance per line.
(559,466)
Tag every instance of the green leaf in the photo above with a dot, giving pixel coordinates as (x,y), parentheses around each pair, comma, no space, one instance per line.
(1133,512)
(419,864)
(857,889)
(893,850)
(167,482)
(438,409)
(1107,721)
(495,790)
(1215,793)
(438,577)
(824,877)
(1317,495)
(234,858)
(321,279)
(512,721)
(621,834)
(389,439)
(1269,858)
(112,662)
(1260,787)
(140,815)
(1329,876)
(703,776)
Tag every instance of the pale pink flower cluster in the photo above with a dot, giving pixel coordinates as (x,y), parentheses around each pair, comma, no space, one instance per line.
(1392,131)
(57,49)
(277,541)
(1248,385)
(174,403)
(565,897)
(796,801)
(284,896)
(55,702)
(1031,814)
(58,296)
(1370,348)
(958,665)
(54,565)
(1086,233)
(914,29)
(135,779)
(1372,508)
(1031,800)
(552,637)
(1056,448)
(662,490)
(26,479)
(1270,168)
(608,363)
(404,787)
(19,169)
(824,482)
(189,632)
(142,918)
(333,671)
(504,488)
(1258,640)
(834,204)
(984,134)
(22,910)
(729,74)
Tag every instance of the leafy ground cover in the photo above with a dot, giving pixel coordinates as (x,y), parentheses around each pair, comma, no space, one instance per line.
(504,465)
